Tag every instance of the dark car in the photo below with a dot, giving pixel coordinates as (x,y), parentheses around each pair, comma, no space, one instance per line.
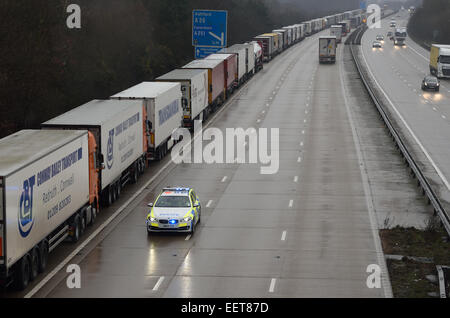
(390,35)
(430,82)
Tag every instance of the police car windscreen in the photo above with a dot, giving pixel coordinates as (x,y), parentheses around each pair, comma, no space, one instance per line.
(173,202)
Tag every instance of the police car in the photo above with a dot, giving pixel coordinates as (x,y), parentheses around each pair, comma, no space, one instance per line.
(174,210)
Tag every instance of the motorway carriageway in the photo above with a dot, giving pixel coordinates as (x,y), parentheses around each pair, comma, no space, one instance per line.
(398,74)
(307,231)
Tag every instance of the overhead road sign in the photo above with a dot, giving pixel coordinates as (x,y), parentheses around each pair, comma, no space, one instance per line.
(209,28)
(204,51)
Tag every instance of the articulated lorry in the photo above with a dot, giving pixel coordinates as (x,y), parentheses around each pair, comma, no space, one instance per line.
(336,30)
(119,129)
(194,88)
(440,60)
(400,36)
(327,49)
(48,194)
(161,103)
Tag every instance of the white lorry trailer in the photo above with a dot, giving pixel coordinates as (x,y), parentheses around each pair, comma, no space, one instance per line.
(48,192)
(336,30)
(250,62)
(164,114)
(194,88)
(241,60)
(327,49)
(440,60)
(120,133)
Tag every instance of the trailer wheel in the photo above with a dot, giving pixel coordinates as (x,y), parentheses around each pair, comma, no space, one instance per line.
(110,199)
(93,213)
(119,189)
(134,171)
(23,273)
(34,263)
(82,223)
(43,256)
(76,229)
(141,166)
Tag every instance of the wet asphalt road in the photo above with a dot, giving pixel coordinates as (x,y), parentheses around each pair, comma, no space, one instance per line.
(305,231)
(400,71)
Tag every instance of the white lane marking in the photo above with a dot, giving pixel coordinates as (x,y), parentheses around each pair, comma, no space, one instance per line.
(303,132)
(272,285)
(224,179)
(306,111)
(299,159)
(158,283)
(209,203)
(425,58)
(301,144)
(443,116)
(61,265)
(258,121)
(439,172)
(305,121)
(368,195)
(434,108)
(283,236)
(296,179)
(291,203)
(263,111)
(188,237)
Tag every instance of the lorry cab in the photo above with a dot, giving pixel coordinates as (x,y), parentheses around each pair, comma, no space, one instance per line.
(440,60)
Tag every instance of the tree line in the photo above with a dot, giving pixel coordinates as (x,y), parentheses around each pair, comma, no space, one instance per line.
(47,68)
(431,22)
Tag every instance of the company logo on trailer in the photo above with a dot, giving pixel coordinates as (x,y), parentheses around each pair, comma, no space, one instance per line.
(110,149)
(26,217)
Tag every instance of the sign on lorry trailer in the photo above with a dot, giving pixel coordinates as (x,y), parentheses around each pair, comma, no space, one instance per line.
(327,49)
(118,127)
(194,88)
(164,112)
(44,180)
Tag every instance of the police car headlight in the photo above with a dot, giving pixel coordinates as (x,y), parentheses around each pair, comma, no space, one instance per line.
(153,219)
(187,219)
(437,84)
(426,84)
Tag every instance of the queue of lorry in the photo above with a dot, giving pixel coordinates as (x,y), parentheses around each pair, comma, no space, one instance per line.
(55,180)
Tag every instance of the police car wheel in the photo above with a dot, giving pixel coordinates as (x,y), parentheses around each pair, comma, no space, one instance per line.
(192,227)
